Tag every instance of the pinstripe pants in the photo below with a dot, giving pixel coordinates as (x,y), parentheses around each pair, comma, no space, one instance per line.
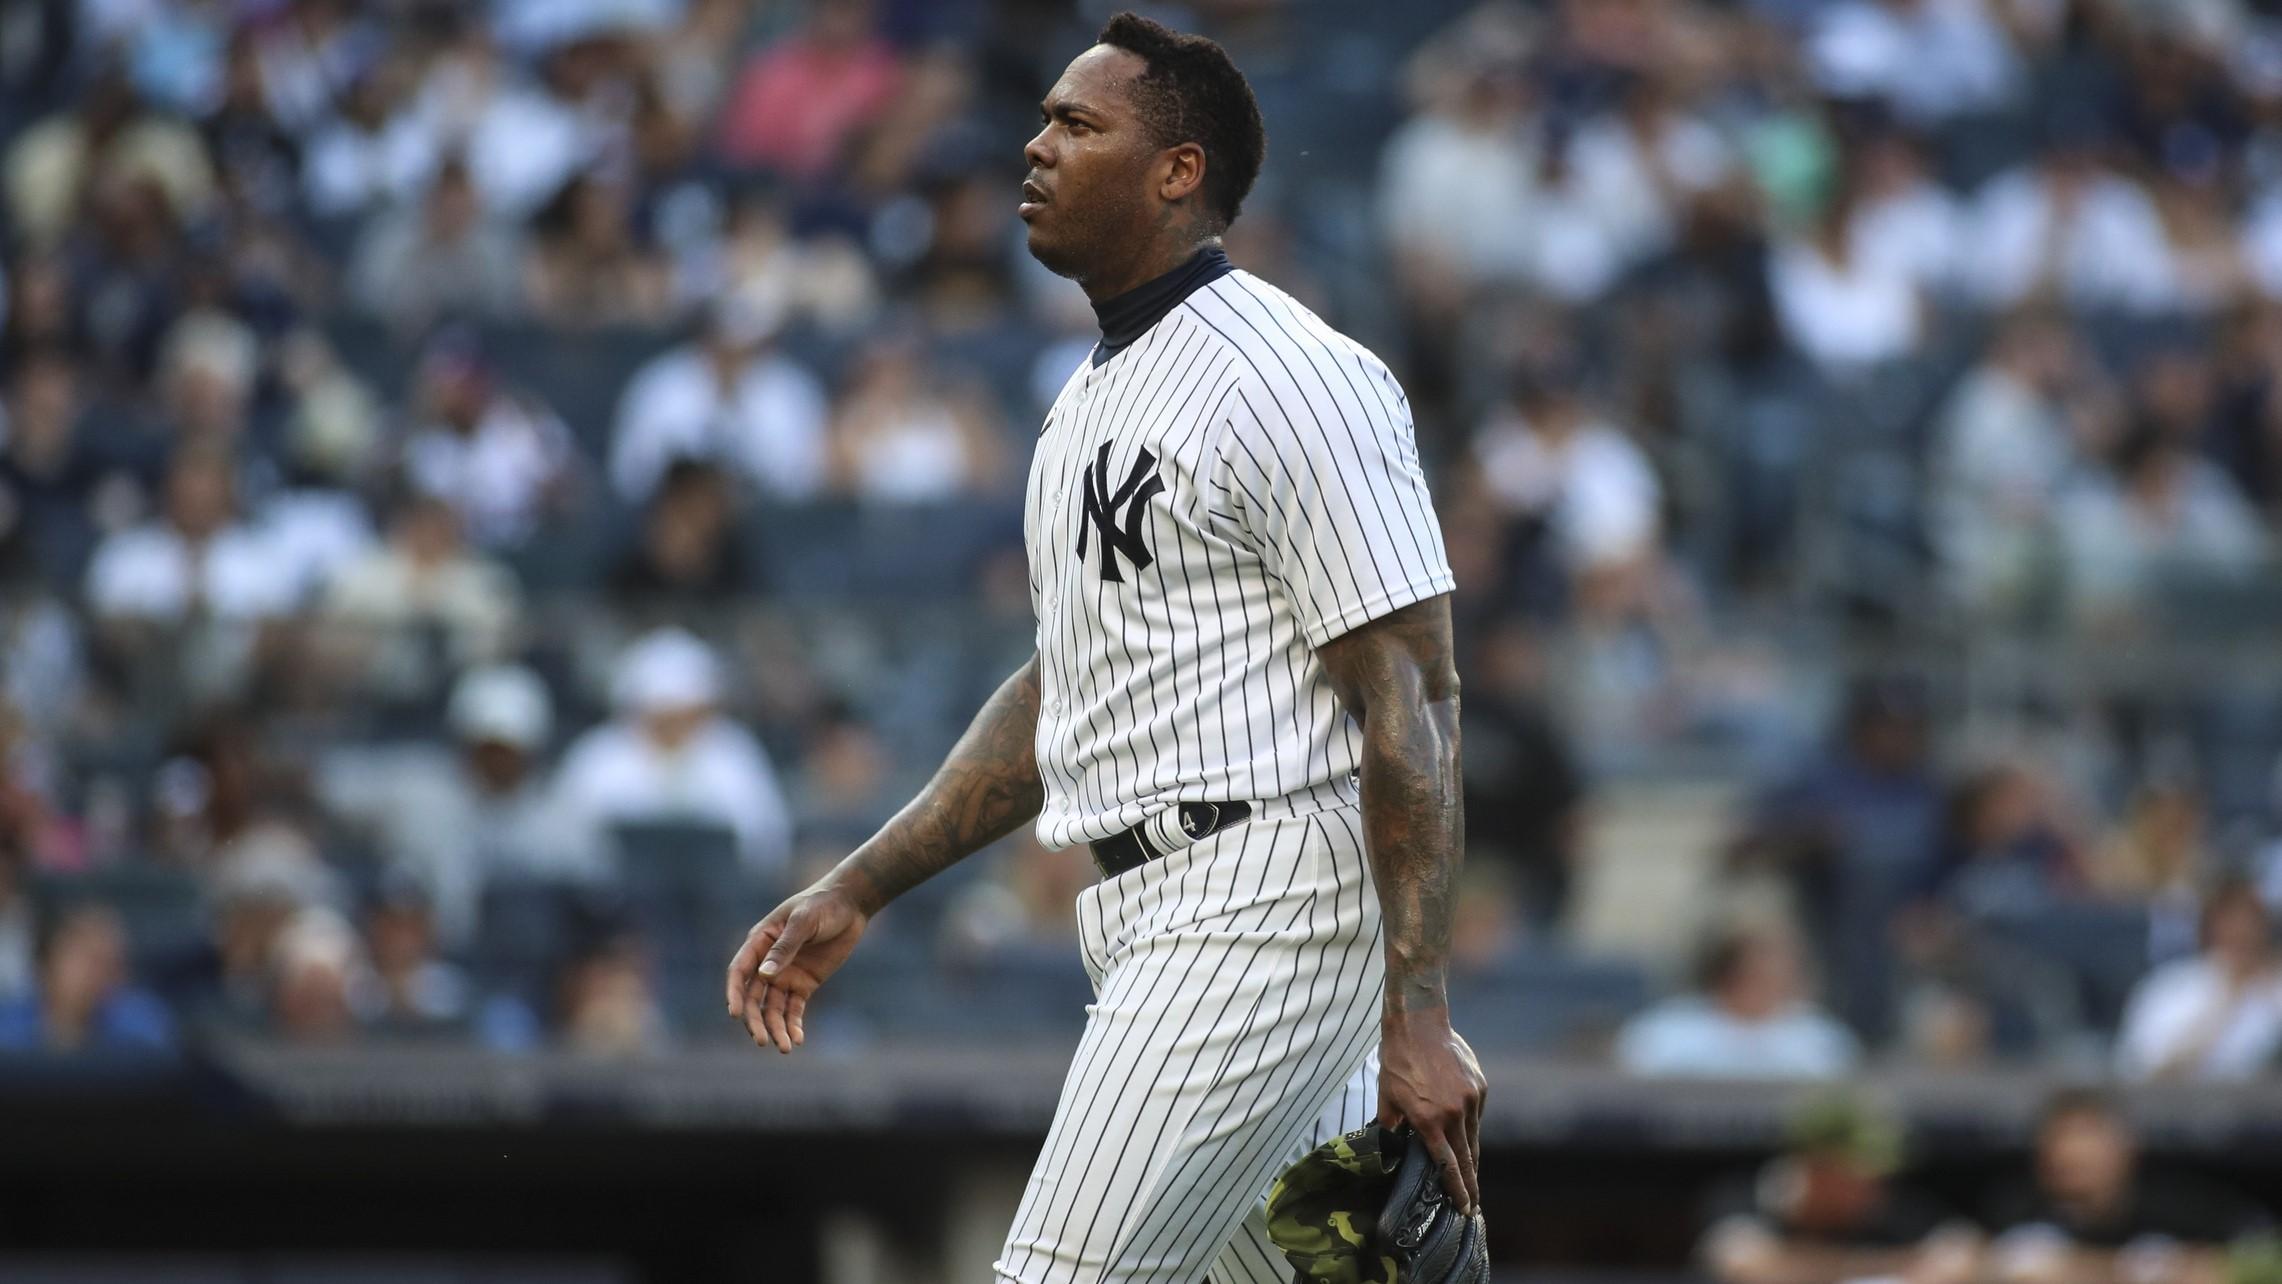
(1235,1026)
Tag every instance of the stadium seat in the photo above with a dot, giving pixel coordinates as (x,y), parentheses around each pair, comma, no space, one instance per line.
(2104,946)
(1543,1000)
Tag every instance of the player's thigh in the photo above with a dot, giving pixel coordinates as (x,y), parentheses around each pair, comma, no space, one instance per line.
(1206,1059)
(1250,1256)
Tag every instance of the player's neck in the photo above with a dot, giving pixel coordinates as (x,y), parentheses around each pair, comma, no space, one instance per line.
(1126,316)
(1155,261)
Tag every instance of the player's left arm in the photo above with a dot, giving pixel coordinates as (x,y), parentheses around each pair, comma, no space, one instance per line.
(1396,677)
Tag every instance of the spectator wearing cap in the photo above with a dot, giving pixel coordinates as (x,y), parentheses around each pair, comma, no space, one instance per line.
(197,558)
(670,754)
(85,1000)
(423,587)
(727,397)
(1750,1018)
(453,825)
(498,456)
(2217,1015)
(437,257)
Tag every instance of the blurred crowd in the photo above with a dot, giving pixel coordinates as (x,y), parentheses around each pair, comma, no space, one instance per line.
(491,495)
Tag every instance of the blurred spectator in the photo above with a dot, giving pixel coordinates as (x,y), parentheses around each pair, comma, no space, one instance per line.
(797,103)
(499,457)
(821,278)
(670,754)
(422,601)
(1455,183)
(2159,515)
(315,963)
(1845,304)
(2009,441)
(2159,852)
(372,153)
(454,825)
(1854,834)
(686,558)
(19,945)
(727,398)
(2217,1015)
(1025,900)
(437,256)
(1901,219)
(1829,1208)
(2005,850)
(84,1000)
(604,1003)
(2069,226)
(1929,59)
(900,435)
(108,142)
(525,142)
(197,559)
(49,471)
(586,267)
(2089,1209)
(1583,496)
(409,988)
(1750,1018)
(207,371)
(1525,791)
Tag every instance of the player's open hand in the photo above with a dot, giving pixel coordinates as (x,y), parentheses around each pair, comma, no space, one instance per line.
(1429,1079)
(785,957)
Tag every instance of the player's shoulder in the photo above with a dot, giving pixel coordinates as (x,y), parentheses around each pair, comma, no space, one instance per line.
(1284,350)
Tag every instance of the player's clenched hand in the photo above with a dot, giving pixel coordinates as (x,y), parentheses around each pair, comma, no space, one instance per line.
(785,957)
(1429,1079)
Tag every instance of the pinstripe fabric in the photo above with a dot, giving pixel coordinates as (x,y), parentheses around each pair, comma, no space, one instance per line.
(1292,508)
(1237,992)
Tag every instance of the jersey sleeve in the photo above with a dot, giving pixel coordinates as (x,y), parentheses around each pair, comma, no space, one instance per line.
(1323,462)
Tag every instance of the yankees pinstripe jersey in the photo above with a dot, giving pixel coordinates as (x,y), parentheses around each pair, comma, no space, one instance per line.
(1233,489)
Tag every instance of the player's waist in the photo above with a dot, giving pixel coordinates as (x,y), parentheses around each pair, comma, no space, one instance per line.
(1180,825)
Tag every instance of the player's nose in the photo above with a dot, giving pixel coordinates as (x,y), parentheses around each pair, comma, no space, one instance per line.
(1037,153)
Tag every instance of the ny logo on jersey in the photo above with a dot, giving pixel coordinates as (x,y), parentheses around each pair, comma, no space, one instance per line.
(1101,508)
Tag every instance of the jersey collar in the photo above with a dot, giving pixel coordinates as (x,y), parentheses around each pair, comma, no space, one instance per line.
(1128,316)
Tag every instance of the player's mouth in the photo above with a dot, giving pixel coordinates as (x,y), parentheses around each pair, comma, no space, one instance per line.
(1033,199)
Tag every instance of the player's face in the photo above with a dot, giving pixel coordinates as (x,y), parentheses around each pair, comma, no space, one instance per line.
(1087,196)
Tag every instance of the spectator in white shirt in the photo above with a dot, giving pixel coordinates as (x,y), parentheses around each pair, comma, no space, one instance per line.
(2217,1015)
(903,435)
(2163,512)
(728,398)
(1844,307)
(369,154)
(1904,220)
(2069,225)
(1929,59)
(384,606)
(501,459)
(1554,460)
(2006,447)
(195,559)
(1752,1019)
(670,754)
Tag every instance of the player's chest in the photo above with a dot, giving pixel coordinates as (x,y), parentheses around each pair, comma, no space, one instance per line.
(1119,503)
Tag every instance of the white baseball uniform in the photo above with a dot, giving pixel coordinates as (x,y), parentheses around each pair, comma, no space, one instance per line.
(1232,489)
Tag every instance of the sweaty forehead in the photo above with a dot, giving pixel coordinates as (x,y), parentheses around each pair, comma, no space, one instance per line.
(1100,78)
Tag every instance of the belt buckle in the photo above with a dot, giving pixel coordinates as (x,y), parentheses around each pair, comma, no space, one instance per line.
(1199,819)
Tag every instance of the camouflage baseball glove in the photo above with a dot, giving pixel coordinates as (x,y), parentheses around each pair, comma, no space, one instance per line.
(1368,1208)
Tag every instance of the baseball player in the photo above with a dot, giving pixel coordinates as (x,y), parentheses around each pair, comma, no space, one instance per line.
(1242,701)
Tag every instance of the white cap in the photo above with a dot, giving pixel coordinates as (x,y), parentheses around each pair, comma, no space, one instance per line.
(505,703)
(666,670)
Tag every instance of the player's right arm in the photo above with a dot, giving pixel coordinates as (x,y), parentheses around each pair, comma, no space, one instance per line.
(985,789)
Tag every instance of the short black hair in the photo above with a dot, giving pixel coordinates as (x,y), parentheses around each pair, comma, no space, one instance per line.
(1193,93)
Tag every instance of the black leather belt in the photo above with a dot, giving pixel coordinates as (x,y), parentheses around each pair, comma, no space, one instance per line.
(1199,820)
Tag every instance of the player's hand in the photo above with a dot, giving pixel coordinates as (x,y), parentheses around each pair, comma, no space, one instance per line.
(1429,1079)
(785,957)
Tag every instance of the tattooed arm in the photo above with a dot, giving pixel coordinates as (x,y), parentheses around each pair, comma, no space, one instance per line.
(987,787)
(1395,676)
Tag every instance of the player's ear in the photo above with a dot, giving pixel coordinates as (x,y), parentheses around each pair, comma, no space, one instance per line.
(1184,172)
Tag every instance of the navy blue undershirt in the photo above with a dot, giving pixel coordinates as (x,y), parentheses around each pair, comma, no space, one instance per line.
(1128,316)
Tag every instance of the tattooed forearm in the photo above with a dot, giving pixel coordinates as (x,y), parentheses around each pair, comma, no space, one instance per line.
(1395,677)
(987,787)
